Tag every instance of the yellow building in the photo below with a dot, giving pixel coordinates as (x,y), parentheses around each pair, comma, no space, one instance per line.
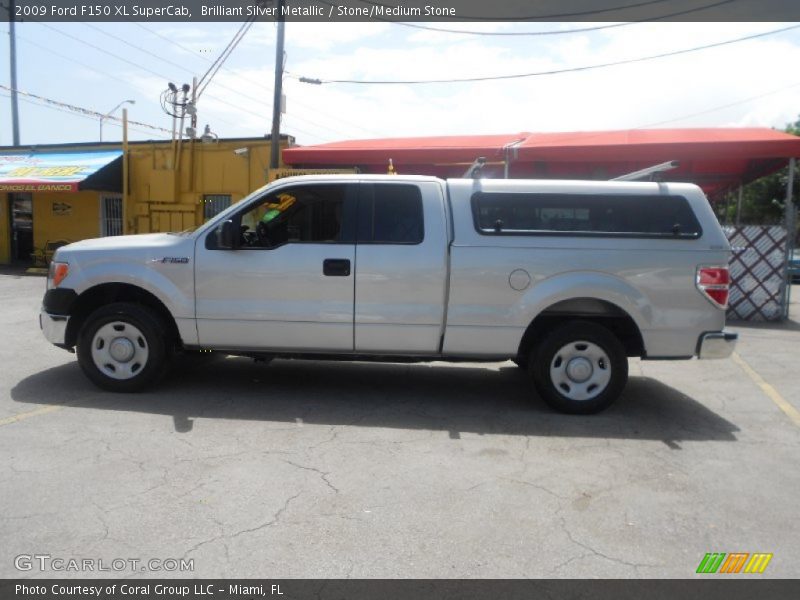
(55,194)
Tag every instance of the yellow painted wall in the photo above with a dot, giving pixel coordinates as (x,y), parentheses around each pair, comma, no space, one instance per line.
(162,199)
(5,231)
(81,221)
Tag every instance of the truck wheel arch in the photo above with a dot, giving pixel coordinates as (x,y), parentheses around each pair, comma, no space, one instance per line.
(107,293)
(594,310)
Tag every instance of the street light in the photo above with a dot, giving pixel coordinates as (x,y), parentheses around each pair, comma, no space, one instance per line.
(109,113)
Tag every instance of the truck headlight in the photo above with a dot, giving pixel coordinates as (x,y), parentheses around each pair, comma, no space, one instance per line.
(56,274)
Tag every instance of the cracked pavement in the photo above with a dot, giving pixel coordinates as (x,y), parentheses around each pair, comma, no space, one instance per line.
(326,470)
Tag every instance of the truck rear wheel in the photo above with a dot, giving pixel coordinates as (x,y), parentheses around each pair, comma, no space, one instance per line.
(579,368)
(121,347)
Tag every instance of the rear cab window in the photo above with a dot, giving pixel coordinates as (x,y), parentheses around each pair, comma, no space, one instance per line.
(596,215)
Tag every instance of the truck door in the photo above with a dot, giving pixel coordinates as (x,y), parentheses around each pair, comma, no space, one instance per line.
(401,268)
(289,283)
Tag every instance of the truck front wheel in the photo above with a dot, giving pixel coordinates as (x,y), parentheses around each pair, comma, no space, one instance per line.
(121,347)
(579,368)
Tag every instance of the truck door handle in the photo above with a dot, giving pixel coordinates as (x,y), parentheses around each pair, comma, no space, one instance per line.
(336,267)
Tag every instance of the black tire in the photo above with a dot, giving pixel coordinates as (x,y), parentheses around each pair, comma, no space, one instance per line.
(520,362)
(579,340)
(145,332)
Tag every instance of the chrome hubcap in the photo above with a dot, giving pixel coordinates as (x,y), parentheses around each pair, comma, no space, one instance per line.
(580,370)
(119,350)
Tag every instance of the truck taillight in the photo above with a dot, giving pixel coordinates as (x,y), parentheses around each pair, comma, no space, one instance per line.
(714,283)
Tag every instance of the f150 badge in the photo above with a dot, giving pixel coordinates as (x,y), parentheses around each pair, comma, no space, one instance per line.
(173,260)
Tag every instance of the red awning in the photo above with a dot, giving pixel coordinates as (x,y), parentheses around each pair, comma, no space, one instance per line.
(659,145)
(716,159)
(417,150)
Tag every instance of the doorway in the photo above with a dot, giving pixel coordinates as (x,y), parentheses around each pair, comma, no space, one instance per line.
(20,206)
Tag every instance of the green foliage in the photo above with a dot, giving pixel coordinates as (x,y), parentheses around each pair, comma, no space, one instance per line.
(763,200)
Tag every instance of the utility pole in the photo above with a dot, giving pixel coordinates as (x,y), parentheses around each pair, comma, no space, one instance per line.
(274,151)
(13,53)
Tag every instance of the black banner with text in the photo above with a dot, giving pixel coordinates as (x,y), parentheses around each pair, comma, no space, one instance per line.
(399,10)
(382,589)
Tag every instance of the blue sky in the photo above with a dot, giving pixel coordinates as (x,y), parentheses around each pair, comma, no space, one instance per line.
(99,65)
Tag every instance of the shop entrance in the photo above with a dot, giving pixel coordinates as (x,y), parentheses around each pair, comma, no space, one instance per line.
(20,206)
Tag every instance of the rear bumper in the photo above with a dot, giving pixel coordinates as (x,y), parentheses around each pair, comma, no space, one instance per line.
(54,328)
(716,344)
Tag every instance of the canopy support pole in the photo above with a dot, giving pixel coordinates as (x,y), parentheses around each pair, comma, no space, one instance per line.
(789,214)
(739,204)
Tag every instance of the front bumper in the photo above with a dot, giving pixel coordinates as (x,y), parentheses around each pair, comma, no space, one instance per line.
(716,344)
(54,328)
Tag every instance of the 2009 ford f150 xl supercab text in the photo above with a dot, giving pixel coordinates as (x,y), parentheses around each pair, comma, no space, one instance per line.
(566,278)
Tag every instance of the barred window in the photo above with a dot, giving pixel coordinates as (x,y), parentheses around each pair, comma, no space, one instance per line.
(213,204)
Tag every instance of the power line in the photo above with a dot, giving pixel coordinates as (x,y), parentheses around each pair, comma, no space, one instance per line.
(94,69)
(224,55)
(552,17)
(722,106)
(138,66)
(80,109)
(182,67)
(259,84)
(319,81)
(69,112)
(561,32)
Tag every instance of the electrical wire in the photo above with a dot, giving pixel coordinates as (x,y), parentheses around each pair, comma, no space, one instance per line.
(320,81)
(215,66)
(61,55)
(162,76)
(721,106)
(561,32)
(42,105)
(263,86)
(80,109)
(552,17)
(138,66)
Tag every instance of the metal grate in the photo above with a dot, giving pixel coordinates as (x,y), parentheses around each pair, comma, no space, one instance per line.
(112,215)
(213,204)
(758,268)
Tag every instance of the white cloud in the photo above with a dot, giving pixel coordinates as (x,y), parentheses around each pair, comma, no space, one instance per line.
(680,90)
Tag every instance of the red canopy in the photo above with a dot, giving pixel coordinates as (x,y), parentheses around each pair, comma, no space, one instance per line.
(417,150)
(715,159)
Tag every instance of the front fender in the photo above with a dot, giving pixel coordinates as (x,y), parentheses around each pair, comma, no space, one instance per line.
(172,284)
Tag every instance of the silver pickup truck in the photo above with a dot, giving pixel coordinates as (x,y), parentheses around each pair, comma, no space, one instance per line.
(565,278)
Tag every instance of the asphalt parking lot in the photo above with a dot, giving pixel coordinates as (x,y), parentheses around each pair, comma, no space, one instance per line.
(323,469)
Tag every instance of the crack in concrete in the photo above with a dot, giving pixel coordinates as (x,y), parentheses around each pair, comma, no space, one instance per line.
(594,551)
(273,521)
(323,474)
(276,517)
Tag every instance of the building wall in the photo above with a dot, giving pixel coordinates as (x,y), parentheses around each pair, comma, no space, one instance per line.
(60,216)
(163,199)
(160,198)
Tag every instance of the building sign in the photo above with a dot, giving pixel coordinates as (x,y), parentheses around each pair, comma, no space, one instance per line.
(50,172)
(275,174)
(62,209)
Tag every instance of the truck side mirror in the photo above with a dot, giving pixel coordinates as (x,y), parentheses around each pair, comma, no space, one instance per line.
(227,237)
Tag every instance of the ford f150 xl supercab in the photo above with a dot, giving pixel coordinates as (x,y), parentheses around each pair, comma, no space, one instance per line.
(566,278)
